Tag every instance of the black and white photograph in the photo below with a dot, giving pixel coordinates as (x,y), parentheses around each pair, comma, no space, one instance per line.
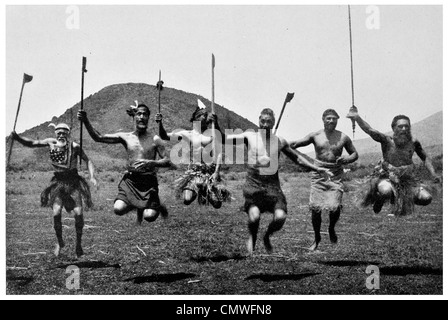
(206,151)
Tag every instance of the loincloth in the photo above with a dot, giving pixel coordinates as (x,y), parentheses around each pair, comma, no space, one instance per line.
(139,190)
(62,186)
(326,194)
(198,178)
(264,192)
(403,183)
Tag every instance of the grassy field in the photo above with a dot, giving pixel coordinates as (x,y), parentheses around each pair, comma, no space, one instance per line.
(201,251)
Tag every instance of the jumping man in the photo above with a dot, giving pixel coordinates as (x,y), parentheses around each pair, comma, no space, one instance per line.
(393,179)
(262,190)
(202,179)
(329,144)
(67,188)
(138,188)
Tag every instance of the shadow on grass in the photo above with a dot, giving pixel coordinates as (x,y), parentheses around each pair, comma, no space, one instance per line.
(22,281)
(404,271)
(218,258)
(166,278)
(90,265)
(349,263)
(280,277)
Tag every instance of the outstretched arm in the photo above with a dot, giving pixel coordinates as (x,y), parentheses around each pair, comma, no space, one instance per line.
(300,159)
(428,164)
(374,134)
(96,136)
(302,142)
(27,142)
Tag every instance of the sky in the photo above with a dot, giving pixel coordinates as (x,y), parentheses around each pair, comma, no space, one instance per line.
(262,52)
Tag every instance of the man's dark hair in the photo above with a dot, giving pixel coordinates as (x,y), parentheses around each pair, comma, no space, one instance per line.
(141,105)
(330,111)
(399,117)
(267,111)
(198,112)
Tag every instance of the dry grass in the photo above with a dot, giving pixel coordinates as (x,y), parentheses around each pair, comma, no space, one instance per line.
(201,251)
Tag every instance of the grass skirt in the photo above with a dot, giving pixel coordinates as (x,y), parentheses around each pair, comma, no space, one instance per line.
(62,185)
(198,178)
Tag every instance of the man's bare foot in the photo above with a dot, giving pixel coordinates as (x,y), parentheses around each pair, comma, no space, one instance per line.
(315,243)
(267,244)
(314,246)
(58,248)
(79,251)
(250,246)
(333,236)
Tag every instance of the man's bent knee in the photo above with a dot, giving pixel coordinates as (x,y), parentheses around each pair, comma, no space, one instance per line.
(280,215)
(189,196)
(254,214)
(422,197)
(385,188)
(150,215)
(120,208)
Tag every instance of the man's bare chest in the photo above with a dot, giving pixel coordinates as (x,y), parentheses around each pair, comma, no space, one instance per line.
(141,145)
(403,153)
(332,144)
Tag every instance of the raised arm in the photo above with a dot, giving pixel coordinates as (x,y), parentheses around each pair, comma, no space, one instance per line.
(96,136)
(374,134)
(168,136)
(27,142)
(302,142)
(427,162)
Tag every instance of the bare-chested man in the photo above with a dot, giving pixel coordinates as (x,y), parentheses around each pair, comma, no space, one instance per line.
(67,188)
(393,179)
(202,179)
(139,187)
(262,190)
(329,144)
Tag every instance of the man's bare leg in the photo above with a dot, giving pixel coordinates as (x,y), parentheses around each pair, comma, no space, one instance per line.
(79,225)
(277,224)
(57,220)
(121,208)
(79,222)
(316,220)
(253,225)
(334,217)
(189,196)
(422,197)
(385,192)
(139,216)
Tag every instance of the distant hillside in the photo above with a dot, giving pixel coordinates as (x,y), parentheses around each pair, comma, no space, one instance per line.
(106,110)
